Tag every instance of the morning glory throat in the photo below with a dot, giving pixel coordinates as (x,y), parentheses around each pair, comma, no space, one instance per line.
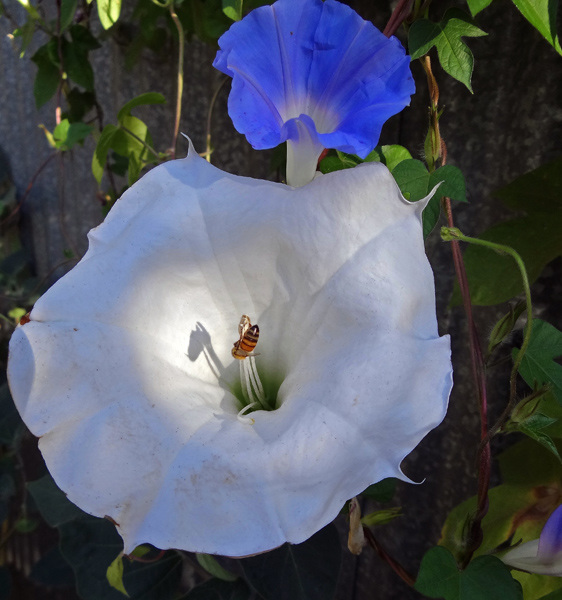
(315,75)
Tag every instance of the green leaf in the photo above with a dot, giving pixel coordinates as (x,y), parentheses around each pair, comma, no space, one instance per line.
(211,565)
(232,9)
(542,438)
(542,16)
(147,98)
(307,571)
(99,159)
(77,65)
(412,178)
(114,575)
(452,183)
(67,134)
(381,517)
(494,278)
(475,6)
(485,578)
(89,545)
(25,32)
(11,425)
(108,12)
(389,155)
(555,595)
(68,9)
(216,589)
(47,77)
(539,367)
(52,503)
(383,491)
(454,55)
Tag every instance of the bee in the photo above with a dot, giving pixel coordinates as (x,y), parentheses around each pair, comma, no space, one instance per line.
(249,335)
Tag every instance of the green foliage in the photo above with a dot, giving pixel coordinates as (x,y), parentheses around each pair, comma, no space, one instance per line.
(89,545)
(233,9)
(383,491)
(485,578)
(533,427)
(475,6)
(108,12)
(539,366)
(454,55)
(211,565)
(381,517)
(67,134)
(542,16)
(75,63)
(11,426)
(505,326)
(54,506)
(535,236)
(47,78)
(307,571)
(416,182)
(67,12)
(114,575)
(130,139)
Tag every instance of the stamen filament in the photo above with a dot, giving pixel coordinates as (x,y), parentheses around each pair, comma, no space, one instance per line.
(243,418)
(252,388)
(255,378)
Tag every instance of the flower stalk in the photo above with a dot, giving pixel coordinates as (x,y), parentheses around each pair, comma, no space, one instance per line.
(179,93)
(450,234)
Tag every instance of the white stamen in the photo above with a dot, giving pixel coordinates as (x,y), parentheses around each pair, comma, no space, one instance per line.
(252,388)
(256,380)
(246,384)
(243,418)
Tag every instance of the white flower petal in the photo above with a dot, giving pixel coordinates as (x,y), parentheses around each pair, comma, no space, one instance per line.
(125,369)
(525,557)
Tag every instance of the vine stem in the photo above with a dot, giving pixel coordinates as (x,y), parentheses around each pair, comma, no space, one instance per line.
(456,234)
(58,109)
(208,150)
(395,565)
(438,150)
(398,16)
(30,185)
(179,94)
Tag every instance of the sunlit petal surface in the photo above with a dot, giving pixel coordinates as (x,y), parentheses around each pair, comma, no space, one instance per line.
(125,371)
(542,556)
(317,59)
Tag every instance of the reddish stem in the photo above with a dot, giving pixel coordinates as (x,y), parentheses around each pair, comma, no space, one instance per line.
(475,534)
(398,16)
(395,565)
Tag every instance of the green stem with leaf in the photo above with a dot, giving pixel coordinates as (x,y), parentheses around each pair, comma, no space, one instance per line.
(452,233)
(179,94)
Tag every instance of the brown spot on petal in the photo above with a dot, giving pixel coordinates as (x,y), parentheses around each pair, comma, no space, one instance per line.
(112,520)
(25,319)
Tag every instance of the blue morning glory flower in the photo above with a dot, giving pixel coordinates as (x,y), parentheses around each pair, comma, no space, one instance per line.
(543,555)
(314,74)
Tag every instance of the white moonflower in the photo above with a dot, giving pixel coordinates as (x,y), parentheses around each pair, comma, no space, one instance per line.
(126,375)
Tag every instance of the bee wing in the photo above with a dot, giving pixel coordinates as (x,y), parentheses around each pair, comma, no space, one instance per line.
(244,325)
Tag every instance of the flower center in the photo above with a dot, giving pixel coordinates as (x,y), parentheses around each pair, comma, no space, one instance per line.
(251,393)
